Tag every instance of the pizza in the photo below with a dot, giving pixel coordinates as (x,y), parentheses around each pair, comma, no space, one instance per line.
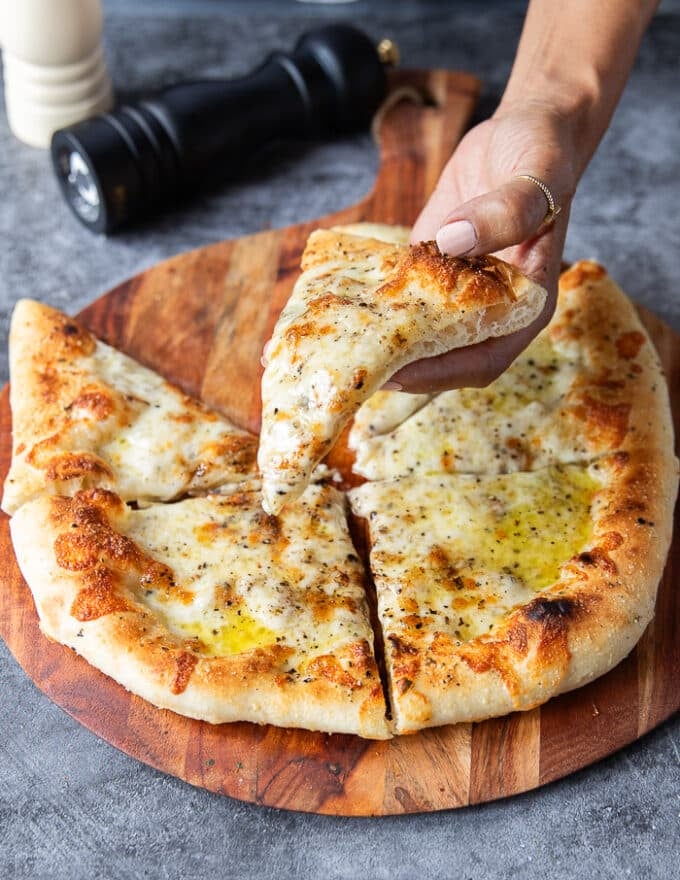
(361,309)
(209,606)
(518,532)
(503,545)
(497,592)
(85,414)
(589,383)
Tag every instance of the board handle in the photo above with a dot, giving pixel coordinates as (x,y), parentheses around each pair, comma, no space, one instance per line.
(423,118)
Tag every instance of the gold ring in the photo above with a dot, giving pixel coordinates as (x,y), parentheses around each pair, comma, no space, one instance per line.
(553,208)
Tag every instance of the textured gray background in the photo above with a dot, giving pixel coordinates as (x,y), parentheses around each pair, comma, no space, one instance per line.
(73,807)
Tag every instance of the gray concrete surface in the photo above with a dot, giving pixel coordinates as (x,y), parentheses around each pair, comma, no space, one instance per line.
(73,807)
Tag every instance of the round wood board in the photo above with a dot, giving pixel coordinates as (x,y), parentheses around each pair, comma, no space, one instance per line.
(200,319)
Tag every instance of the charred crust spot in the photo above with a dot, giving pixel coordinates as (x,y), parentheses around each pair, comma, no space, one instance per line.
(629,344)
(72,465)
(620,459)
(401,647)
(550,611)
(580,273)
(99,596)
(95,402)
(71,338)
(598,558)
(185,663)
(359,378)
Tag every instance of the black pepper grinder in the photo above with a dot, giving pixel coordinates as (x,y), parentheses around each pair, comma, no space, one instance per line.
(119,167)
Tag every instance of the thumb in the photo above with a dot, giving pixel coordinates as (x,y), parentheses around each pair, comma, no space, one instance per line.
(498,219)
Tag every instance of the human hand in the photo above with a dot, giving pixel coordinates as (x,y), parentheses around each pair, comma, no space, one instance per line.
(479,206)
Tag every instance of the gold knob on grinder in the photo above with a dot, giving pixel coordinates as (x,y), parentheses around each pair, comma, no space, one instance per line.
(388,52)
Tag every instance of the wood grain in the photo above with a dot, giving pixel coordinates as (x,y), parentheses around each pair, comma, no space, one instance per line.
(201,319)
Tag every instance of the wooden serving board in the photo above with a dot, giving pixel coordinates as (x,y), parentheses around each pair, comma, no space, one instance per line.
(201,320)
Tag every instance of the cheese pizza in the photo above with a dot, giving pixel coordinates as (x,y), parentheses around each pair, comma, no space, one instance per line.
(85,414)
(361,309)
(515,535)
(209,606)
(496,593)
(589,383)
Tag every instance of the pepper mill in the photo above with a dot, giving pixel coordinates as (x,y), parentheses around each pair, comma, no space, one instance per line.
(54,66)
(117,168)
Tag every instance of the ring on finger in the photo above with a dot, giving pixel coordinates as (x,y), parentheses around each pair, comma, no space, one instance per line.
(553,208)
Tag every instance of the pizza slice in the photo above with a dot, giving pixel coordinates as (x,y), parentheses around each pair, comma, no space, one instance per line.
(85,414)
(589,384)
(361,309)
(209,606)
(497,592)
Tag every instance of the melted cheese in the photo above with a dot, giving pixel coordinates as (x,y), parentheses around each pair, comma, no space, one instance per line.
(163,443)
(383,412)
(243,580)
(519,422)
(455,553)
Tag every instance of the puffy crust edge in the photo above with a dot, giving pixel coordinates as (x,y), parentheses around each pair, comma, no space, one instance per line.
(623,367)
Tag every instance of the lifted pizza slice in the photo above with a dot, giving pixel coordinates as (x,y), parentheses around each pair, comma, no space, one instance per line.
(362,309)
(85,414)
(209,606)
(496,593)
(589,384)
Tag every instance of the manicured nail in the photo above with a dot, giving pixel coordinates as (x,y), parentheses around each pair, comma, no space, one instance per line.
(456,239)
(392,386)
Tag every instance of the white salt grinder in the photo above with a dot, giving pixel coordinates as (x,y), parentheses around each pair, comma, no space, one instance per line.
(54,66)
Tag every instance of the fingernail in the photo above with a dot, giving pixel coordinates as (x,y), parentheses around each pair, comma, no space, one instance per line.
(392,386)
(456,239)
